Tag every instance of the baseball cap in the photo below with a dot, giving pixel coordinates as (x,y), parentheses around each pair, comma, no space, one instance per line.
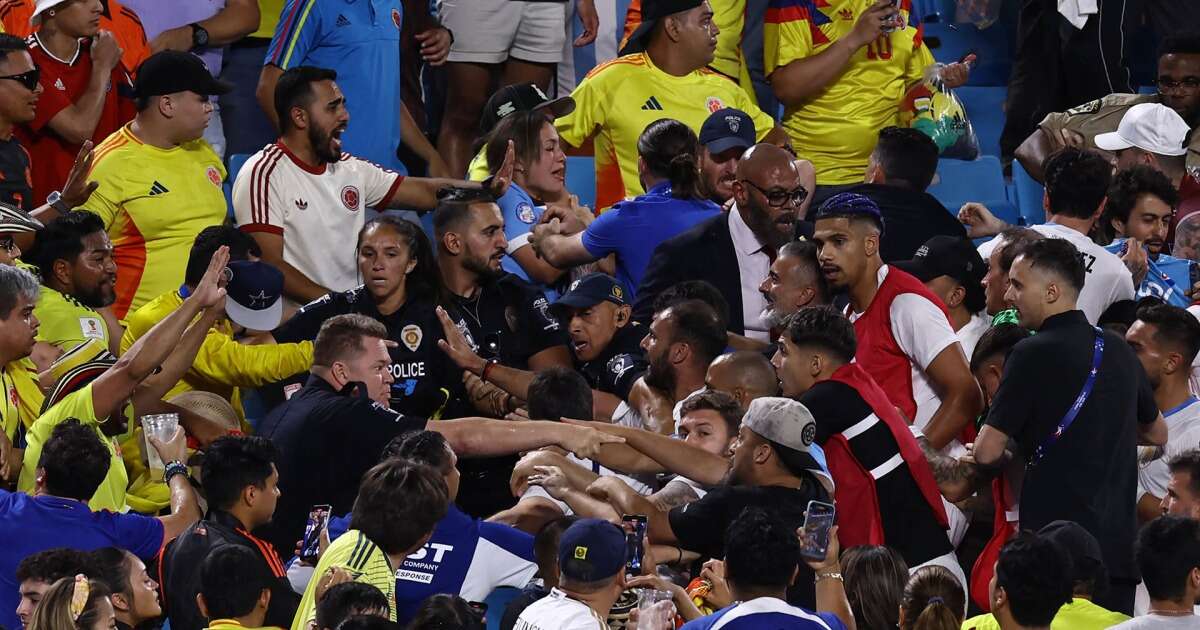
(787,423)
(14,219)
(652,11)
(591,550)
(1151,127)
(253,295)
(40,7)
(75,369)
(945,255)
(1087,561)
(591,290)
(521,97)
(173,71)
(726,129)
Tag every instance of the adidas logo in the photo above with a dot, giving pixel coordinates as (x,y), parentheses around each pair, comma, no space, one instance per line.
(343,20)
(846,14)
(652,104)
(58,85)
(157,189)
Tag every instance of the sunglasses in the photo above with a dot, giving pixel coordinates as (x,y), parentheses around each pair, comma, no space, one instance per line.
(27,79)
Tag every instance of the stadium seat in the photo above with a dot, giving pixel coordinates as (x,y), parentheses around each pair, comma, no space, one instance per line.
(981,180)
(985,110)
(236,162)
(581,179)
(1029,196)
(951,42)
(497,602)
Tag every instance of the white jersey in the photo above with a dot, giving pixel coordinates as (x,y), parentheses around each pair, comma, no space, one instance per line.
(318,211)
(1183,434)
(1107,280)
(969,335)
(540,492)
(557,611)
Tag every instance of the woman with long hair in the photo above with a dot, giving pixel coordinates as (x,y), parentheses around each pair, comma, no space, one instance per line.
(134,594)
(401,287)
(875,578)
(933,600)
(74,604)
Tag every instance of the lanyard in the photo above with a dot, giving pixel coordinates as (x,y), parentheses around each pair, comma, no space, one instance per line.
(1065,423)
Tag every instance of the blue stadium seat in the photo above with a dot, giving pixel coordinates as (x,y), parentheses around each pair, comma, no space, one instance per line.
(1029,196)
(985,110)
(581,179)
(951,42)
(236,162)
(981,180)
(496,602)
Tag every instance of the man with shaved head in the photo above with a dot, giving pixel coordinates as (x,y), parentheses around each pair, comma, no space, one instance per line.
(905,341)
(734,251)
(745,375)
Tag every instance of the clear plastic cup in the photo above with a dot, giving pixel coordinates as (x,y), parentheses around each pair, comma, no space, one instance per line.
(162,427)
(655,609)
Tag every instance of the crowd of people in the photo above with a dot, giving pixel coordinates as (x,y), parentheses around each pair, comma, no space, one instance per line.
(264,368)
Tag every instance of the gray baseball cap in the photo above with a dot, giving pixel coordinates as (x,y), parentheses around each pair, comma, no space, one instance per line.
(787,423)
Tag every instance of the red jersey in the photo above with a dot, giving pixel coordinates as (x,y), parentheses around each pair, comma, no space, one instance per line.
(63,81)
(121,20)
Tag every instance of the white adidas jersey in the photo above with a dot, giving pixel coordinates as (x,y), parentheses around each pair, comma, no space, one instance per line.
(318,210)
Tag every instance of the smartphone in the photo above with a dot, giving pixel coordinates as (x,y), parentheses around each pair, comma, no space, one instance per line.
(894,22)
(818,519)
(635,533)
(318,520)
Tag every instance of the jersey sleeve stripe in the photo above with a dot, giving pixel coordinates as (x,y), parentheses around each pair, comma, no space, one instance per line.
(295,34)
(251,228)
(255,178)
(259,211)
(107,148)
(391,193)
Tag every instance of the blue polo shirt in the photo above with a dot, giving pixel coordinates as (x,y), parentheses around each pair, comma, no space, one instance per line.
(31,524)
(467,556)
(520,214)
(765,612)
(633,228)
(1168,278)
(360,39)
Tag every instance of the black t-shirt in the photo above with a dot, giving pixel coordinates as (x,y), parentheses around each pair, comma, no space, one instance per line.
(910,217)
(427,381)
(700,525)
(1090,474)
(909,523)
(15,187)
(621,364)
(508,319)
(326,440)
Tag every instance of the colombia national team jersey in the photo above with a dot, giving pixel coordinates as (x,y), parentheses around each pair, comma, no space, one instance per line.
(65,322)
(619,99)
(154,202)
(837,129)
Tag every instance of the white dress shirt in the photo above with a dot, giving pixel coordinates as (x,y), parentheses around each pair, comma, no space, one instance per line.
(753,266)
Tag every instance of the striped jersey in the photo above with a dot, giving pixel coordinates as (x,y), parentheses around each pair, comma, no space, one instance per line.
(312,207)
(365,561)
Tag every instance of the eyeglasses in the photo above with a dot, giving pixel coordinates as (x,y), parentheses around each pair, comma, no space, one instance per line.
(1189,83)
(8,244)
(27,79)
(780,198)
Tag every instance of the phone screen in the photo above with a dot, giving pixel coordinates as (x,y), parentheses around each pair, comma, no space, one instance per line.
(818,520)
(318,520)
(635,533)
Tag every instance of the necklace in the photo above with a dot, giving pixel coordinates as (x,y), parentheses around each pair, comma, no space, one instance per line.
(474,312)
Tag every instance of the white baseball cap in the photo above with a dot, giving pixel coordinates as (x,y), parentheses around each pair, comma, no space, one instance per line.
(40,7)
(1151,127)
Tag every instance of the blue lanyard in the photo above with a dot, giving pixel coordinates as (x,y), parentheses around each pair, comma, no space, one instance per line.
(1065,423)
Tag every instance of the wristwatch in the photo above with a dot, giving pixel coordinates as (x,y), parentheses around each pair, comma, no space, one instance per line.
(199,36)
(55,201)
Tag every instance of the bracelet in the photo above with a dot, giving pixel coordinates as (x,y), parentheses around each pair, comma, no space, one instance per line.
(483,374)
(680,560)
(175,468)
(832,575)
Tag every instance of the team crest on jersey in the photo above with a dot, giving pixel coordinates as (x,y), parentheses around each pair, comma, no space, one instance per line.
(525,213)
(214,176)
(620,364)
(715,105)
(411,336)
(91,327)
(396,19)
(350,198)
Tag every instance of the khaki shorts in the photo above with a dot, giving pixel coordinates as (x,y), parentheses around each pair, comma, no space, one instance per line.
(491,31)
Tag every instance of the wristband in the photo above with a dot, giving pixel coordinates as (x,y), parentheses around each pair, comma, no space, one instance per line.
(680,560)
(175,468)
(483,374)
(832,575)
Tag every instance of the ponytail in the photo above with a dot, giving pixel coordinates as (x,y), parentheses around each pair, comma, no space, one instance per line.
(933,599)
(937,616)
(684,174)
(671,151)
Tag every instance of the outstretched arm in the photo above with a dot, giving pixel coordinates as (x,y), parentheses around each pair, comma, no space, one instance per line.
(483,437)
(675,455)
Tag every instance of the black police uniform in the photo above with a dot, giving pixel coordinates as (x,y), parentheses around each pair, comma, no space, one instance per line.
(621,363)
(427,382)
(326,439)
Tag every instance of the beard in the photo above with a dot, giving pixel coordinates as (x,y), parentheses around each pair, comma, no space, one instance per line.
(660,375)
(98,296)
(480,266)
(320,141)
(774,318)
(766,230)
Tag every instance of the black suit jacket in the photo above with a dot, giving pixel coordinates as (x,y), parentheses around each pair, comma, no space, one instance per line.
(703,252)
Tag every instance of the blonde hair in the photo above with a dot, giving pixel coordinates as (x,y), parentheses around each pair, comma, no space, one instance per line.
(54,612)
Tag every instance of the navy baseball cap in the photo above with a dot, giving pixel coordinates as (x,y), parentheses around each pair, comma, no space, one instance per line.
(591,550)
(254,295)
(726,129)
(521,97)
(591,290)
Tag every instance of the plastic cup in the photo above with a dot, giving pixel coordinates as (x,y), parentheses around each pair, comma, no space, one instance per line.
(655,609)
(160,426)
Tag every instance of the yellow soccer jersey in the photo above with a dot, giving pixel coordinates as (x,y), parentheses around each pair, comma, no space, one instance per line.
(21,381)
(10,409)
(619,99)
(838,128)
(65,322)
(154,202)
(365,561)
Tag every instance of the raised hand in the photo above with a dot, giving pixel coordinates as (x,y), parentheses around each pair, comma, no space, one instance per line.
(209,292)
(456,346)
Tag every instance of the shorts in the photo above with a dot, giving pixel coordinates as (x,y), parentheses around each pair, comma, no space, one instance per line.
(491,31)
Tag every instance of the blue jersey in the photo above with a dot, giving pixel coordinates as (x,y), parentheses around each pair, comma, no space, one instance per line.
(32,524)
(466,556)
(765,612)
(633,228)
(520,215)
(360,39)
(1168,278)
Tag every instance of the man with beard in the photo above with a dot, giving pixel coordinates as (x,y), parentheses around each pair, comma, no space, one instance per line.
(793,282)
(724,137)
(995,280)
(1141,202)
(73,256)
(905,341)
(733,251)
(304,200)
(680,343)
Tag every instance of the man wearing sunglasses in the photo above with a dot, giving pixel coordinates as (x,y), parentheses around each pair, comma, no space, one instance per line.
(734,250)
